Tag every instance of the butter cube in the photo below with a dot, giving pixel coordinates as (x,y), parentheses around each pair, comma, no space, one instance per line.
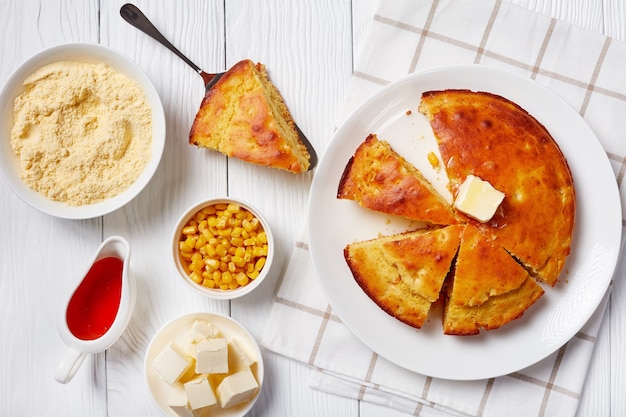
(201,330)
(239,356)
(178,401)
(172,363)
(199,394)
(237,388)
(212,356)
(478,199)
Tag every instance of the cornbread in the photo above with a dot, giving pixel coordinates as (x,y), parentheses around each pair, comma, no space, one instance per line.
(488,288)
(379,179)
(403,274)
(490,137)
(514,204)
(244,116)
(82,132)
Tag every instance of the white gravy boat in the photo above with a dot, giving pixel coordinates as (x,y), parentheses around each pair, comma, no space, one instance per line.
(74,322)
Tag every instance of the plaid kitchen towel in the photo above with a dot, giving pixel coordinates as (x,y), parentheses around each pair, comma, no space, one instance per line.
(586,70)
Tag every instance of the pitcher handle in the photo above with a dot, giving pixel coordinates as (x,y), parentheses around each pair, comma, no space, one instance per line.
(69,365)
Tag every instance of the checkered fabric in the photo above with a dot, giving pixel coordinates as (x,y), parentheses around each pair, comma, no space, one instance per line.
(584,68)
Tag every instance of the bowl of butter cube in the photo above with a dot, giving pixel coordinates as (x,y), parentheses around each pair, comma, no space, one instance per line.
(204,364)
(222,248)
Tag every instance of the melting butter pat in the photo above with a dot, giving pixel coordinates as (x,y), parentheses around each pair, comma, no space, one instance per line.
(172,363)
(478,199)
(212,356)
(237,388)
(199,394)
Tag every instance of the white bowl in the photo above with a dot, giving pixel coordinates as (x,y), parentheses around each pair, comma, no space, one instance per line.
(175,331)
(219,293)
(9,162)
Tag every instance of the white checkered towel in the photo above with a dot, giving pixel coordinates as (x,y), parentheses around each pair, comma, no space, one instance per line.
(584,68)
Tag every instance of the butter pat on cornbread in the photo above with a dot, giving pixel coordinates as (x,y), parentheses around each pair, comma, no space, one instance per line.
(237,388)
(478,199)
(172,363)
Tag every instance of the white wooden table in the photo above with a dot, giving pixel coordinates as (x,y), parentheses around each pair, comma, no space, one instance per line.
(309,47)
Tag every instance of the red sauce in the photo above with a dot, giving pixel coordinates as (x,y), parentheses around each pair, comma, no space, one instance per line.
(94,304)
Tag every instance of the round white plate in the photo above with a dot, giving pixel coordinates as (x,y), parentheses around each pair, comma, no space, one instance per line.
(551,321)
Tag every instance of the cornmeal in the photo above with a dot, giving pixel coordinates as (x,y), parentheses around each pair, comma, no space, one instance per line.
(83,132)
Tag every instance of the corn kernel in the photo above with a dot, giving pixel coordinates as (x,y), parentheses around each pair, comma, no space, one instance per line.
(220,250)
(190,230)
(196,277)
(212,264)
(242,279)
(434,161)
(259,264)
(227,277)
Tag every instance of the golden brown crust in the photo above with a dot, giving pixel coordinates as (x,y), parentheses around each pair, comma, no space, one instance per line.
(488,136)
(244,116)
(379,179)
(497,311)
(403,274)
(488,288)
(483,269)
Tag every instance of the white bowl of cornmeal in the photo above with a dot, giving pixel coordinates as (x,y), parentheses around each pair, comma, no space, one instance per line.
(204,364)
(82,131)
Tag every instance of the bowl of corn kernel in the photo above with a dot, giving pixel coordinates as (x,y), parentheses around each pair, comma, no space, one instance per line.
(223,248)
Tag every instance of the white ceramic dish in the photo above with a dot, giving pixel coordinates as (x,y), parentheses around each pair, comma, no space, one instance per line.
(220,294)
(113,246)
(548,324)
(175,330)
(9,162)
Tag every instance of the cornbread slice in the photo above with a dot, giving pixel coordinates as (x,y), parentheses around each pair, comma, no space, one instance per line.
(244,116)
(379,179)
(488,288)
(403,274)
(495,139)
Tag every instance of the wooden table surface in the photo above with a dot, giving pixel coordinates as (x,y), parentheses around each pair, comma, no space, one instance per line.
(309,47)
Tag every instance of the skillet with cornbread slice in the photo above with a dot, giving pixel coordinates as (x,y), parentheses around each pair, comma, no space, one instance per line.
(244,116)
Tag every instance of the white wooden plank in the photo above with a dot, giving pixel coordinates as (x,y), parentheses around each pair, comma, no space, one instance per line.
(186,175)
(303,45)
(43,258)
